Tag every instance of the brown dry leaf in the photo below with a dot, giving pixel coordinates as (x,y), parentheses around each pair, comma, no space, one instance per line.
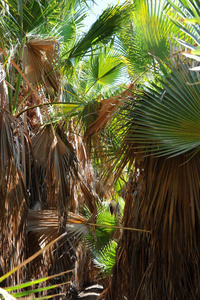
(39,61)
(108,107)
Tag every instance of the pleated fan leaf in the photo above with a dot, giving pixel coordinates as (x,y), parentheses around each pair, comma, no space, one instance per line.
(102,30)
(106,259)
(187,10)
(104,70)
(44,227)
(146,37)
(56,161)
(165,120)
(99,237)
(44,224)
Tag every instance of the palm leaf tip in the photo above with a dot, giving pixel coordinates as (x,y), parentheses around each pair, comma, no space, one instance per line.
(102,30)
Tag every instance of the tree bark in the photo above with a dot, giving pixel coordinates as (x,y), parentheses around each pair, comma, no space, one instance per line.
(163,197)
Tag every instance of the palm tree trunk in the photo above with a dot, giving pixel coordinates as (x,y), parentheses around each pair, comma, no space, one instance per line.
(163,197)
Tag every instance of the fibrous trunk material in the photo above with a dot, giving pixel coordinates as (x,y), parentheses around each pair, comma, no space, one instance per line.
(162,197)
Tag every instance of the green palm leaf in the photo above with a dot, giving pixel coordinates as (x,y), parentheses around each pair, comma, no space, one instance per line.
(187,10)
(146,37)
(100,236)
(106,259)
(105,69)
(102,30)
(165,119)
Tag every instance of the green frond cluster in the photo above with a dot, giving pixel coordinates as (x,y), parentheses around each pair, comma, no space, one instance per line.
(146,39)
(102,234)
(164,120)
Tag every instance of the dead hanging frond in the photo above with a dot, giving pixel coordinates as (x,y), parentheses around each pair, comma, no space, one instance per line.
(108,108)
(39,59)
(90,200)
(102,140)
(45,223)
(14,159)
(13,149)
(163,198)
(56,161)
(10,136)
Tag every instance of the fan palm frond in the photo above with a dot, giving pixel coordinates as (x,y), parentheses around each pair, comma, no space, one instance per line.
(187,10)
(102,30)
(56,159)
(146,37)
(43,225)
(188,22)
(39,60)
(164,120)
(106,259)
(105,69)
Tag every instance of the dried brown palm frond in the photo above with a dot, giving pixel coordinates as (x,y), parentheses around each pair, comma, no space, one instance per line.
(56,161)
(46,223)
(89,188)
(43,227)
(108,107)
(89,197)
(13,225)
(12,144)
(39,60)
(56,172)
(14,158)
(101,136)
(163,198)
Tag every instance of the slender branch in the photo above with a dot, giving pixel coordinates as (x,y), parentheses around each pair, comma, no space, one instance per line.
(42,105)
(119,227)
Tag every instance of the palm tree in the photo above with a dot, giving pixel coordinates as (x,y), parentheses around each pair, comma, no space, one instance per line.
(41,54)
(161,138)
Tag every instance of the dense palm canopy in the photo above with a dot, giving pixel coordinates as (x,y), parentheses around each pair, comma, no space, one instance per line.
(85,118)
(44,58)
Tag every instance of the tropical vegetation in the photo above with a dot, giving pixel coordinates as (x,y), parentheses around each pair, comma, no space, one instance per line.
(99,149)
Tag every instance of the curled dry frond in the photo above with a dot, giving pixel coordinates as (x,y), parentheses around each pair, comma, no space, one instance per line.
(56,161)
(39,59)
(108,107)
